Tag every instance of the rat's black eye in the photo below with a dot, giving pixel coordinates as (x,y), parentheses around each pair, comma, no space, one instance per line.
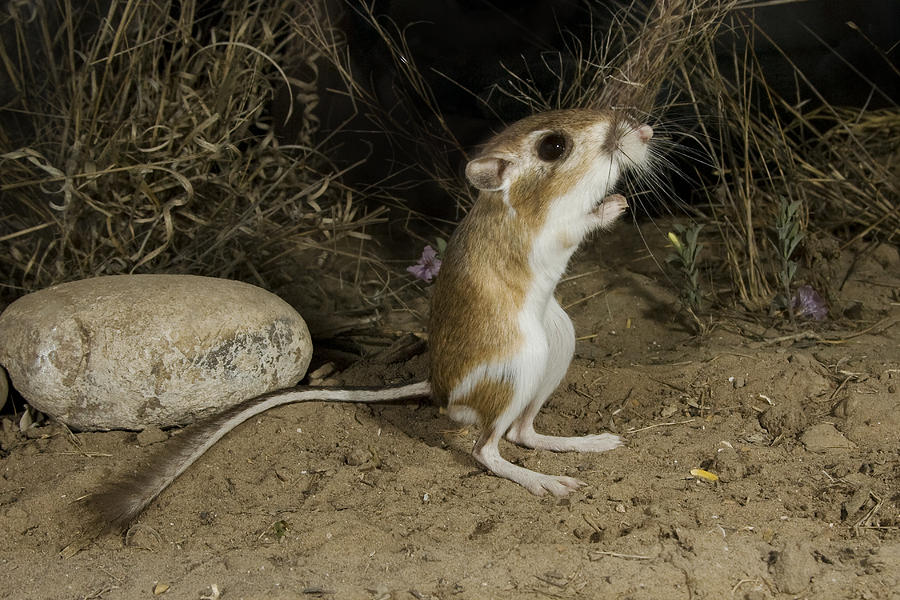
(551,147)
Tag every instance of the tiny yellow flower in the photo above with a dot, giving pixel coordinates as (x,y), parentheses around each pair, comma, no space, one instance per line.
(675,241)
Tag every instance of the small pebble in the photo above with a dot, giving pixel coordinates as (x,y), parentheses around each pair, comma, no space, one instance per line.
(824,437)
(151,435)
(793,569)
(357,457)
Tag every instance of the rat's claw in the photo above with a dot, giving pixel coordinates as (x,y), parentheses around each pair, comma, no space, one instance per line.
(558,485)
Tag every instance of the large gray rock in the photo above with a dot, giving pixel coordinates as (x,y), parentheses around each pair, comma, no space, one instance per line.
(132,351)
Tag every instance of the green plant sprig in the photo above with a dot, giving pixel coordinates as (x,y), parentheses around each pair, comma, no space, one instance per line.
(687,250)
(788,233)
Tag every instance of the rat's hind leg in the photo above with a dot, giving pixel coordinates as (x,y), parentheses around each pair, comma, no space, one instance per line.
(561,343)
(487,453)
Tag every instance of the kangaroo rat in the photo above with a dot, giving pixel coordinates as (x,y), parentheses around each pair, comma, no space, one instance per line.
(499,341)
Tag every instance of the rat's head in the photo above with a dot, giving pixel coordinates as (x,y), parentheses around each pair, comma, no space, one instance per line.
(561,164)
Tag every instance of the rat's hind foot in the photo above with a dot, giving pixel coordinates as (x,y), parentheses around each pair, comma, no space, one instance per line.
(527,437)
(536,483)
(488,455)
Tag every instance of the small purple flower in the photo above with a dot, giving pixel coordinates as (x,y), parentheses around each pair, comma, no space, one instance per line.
(428,266)
(808,303)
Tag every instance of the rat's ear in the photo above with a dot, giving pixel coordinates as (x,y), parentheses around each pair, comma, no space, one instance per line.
(487,173)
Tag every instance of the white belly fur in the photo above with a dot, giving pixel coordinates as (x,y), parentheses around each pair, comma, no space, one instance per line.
(548,340)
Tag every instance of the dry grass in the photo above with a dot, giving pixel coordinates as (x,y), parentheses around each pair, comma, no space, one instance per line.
(150,145)
(752,149)
(142,139)
(426,146)
(626,64)
(840,164)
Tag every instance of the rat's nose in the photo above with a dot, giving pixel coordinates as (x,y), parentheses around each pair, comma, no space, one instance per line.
(645,132)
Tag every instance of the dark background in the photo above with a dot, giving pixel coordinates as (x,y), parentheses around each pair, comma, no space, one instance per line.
(462,47)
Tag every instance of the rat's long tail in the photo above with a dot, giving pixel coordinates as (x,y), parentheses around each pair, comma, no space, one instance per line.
(122,501)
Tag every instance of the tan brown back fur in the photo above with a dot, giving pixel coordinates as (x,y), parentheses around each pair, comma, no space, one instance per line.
(487,258)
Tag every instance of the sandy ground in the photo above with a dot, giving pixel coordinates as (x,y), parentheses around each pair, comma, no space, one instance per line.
(349,501)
